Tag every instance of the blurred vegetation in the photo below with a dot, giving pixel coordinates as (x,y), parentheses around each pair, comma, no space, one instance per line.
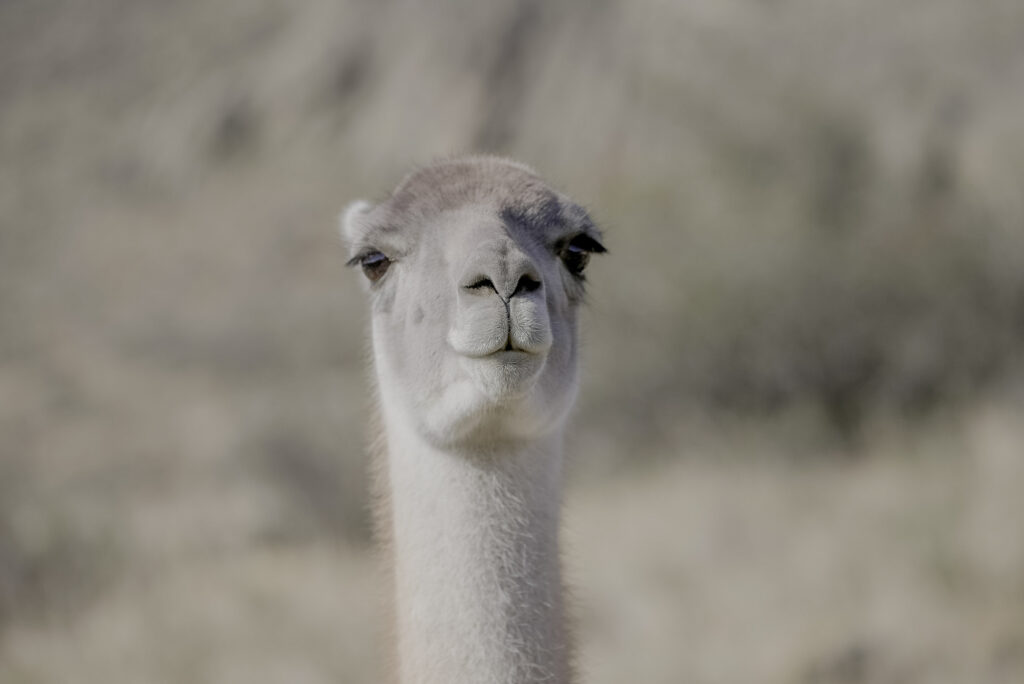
(814,210)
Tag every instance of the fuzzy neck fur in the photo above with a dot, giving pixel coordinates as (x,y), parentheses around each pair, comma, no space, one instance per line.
(473,535)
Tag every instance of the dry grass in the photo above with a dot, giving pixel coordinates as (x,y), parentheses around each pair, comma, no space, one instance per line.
(302,614)
(904,566)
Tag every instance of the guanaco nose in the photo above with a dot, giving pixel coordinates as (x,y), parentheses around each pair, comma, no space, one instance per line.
(501,268)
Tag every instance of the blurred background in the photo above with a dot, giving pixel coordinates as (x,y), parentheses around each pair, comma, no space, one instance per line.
(798,455)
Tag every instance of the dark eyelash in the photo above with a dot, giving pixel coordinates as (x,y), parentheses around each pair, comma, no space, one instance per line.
(358,258)
(585,242)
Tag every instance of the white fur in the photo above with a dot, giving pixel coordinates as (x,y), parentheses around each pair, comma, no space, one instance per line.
(349,220)
(477,580)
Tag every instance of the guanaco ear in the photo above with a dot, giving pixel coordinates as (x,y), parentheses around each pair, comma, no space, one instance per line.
(353,221)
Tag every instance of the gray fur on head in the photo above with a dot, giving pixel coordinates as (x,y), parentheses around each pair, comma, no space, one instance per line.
(473,257)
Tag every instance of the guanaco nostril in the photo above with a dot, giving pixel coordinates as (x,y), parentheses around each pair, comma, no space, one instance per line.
(526,285)
(480,284)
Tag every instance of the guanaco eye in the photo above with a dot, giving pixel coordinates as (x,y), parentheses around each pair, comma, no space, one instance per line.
(374,265)
(575,253)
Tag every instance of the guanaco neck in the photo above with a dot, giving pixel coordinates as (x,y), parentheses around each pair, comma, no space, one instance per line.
(477,577)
